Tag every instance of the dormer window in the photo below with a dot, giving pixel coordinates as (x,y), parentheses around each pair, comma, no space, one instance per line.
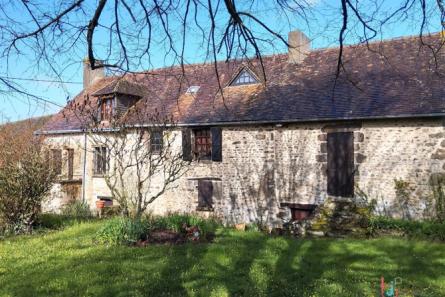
(117,98)
(192,90)
(106,109)
(245,77)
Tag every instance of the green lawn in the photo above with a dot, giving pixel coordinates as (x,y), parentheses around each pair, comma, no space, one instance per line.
(67,263)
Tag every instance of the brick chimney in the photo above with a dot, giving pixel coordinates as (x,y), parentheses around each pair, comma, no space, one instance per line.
(299,46)
(91,76)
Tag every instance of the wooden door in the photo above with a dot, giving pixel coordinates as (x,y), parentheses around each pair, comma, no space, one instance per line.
(205,194)
(341,164)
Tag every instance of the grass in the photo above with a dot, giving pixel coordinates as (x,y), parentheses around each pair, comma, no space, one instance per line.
(68,263)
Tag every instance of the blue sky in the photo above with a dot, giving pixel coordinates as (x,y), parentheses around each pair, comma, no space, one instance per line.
(322,26)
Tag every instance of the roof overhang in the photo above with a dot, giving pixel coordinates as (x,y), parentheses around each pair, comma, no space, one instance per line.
(250,123)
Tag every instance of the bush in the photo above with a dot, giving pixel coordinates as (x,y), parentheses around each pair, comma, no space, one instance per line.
(419,229)
(23,186)
(123,231)
(77,210)
(52,221)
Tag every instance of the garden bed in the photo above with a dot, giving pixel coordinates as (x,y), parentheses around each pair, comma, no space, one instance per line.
(172,229)
(171,237)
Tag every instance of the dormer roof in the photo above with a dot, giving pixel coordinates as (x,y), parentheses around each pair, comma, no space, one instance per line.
(121,86)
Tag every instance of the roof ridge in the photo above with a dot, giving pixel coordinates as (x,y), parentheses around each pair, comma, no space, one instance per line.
(381,41)
(280,55)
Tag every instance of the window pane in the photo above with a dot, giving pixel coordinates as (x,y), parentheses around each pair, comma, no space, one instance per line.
(106,108)
(156,141)
(100,160)
(203,143)
(244,78)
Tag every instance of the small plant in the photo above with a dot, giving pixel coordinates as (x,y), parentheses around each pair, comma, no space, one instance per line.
(254,227)
(123,231)
(437,183)
(77,210)
(403,197)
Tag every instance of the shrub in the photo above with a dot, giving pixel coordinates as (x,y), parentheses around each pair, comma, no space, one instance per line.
(437,183)
(23,186)
(122,231)
(77,210)
(419,229)
(51,221)
(403,191)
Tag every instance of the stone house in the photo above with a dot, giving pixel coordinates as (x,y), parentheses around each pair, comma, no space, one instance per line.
(279,140)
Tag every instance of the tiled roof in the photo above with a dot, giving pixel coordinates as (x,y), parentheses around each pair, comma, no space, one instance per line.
(394,78)
(121,86)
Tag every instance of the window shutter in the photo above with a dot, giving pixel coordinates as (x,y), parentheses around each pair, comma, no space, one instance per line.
(186,144)
(99,110)
(216,144)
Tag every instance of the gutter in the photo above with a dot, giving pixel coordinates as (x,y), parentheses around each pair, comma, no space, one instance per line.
(249,123)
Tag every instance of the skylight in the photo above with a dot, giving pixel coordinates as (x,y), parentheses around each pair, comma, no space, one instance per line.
(244,78)
(192,90)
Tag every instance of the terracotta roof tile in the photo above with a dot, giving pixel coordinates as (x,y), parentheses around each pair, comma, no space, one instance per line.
(393,78)
(121,86)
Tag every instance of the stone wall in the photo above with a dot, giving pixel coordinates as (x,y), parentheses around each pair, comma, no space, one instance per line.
(405,150)
(63,192)
(264,166)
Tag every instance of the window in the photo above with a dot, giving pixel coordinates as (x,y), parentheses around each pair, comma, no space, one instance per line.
(205,194)
(244,78)
(203,144)
(106,109)
(156,141)
(192,90)
(100,160)
(56,161)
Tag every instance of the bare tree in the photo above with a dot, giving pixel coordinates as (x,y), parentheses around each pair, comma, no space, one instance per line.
(139,164)
(18,137)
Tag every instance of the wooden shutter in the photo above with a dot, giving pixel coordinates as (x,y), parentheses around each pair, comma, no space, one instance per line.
(216,133)
(341,164)
(205,194)
(70,163)
(57,161)
(99,110)
(186,144)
